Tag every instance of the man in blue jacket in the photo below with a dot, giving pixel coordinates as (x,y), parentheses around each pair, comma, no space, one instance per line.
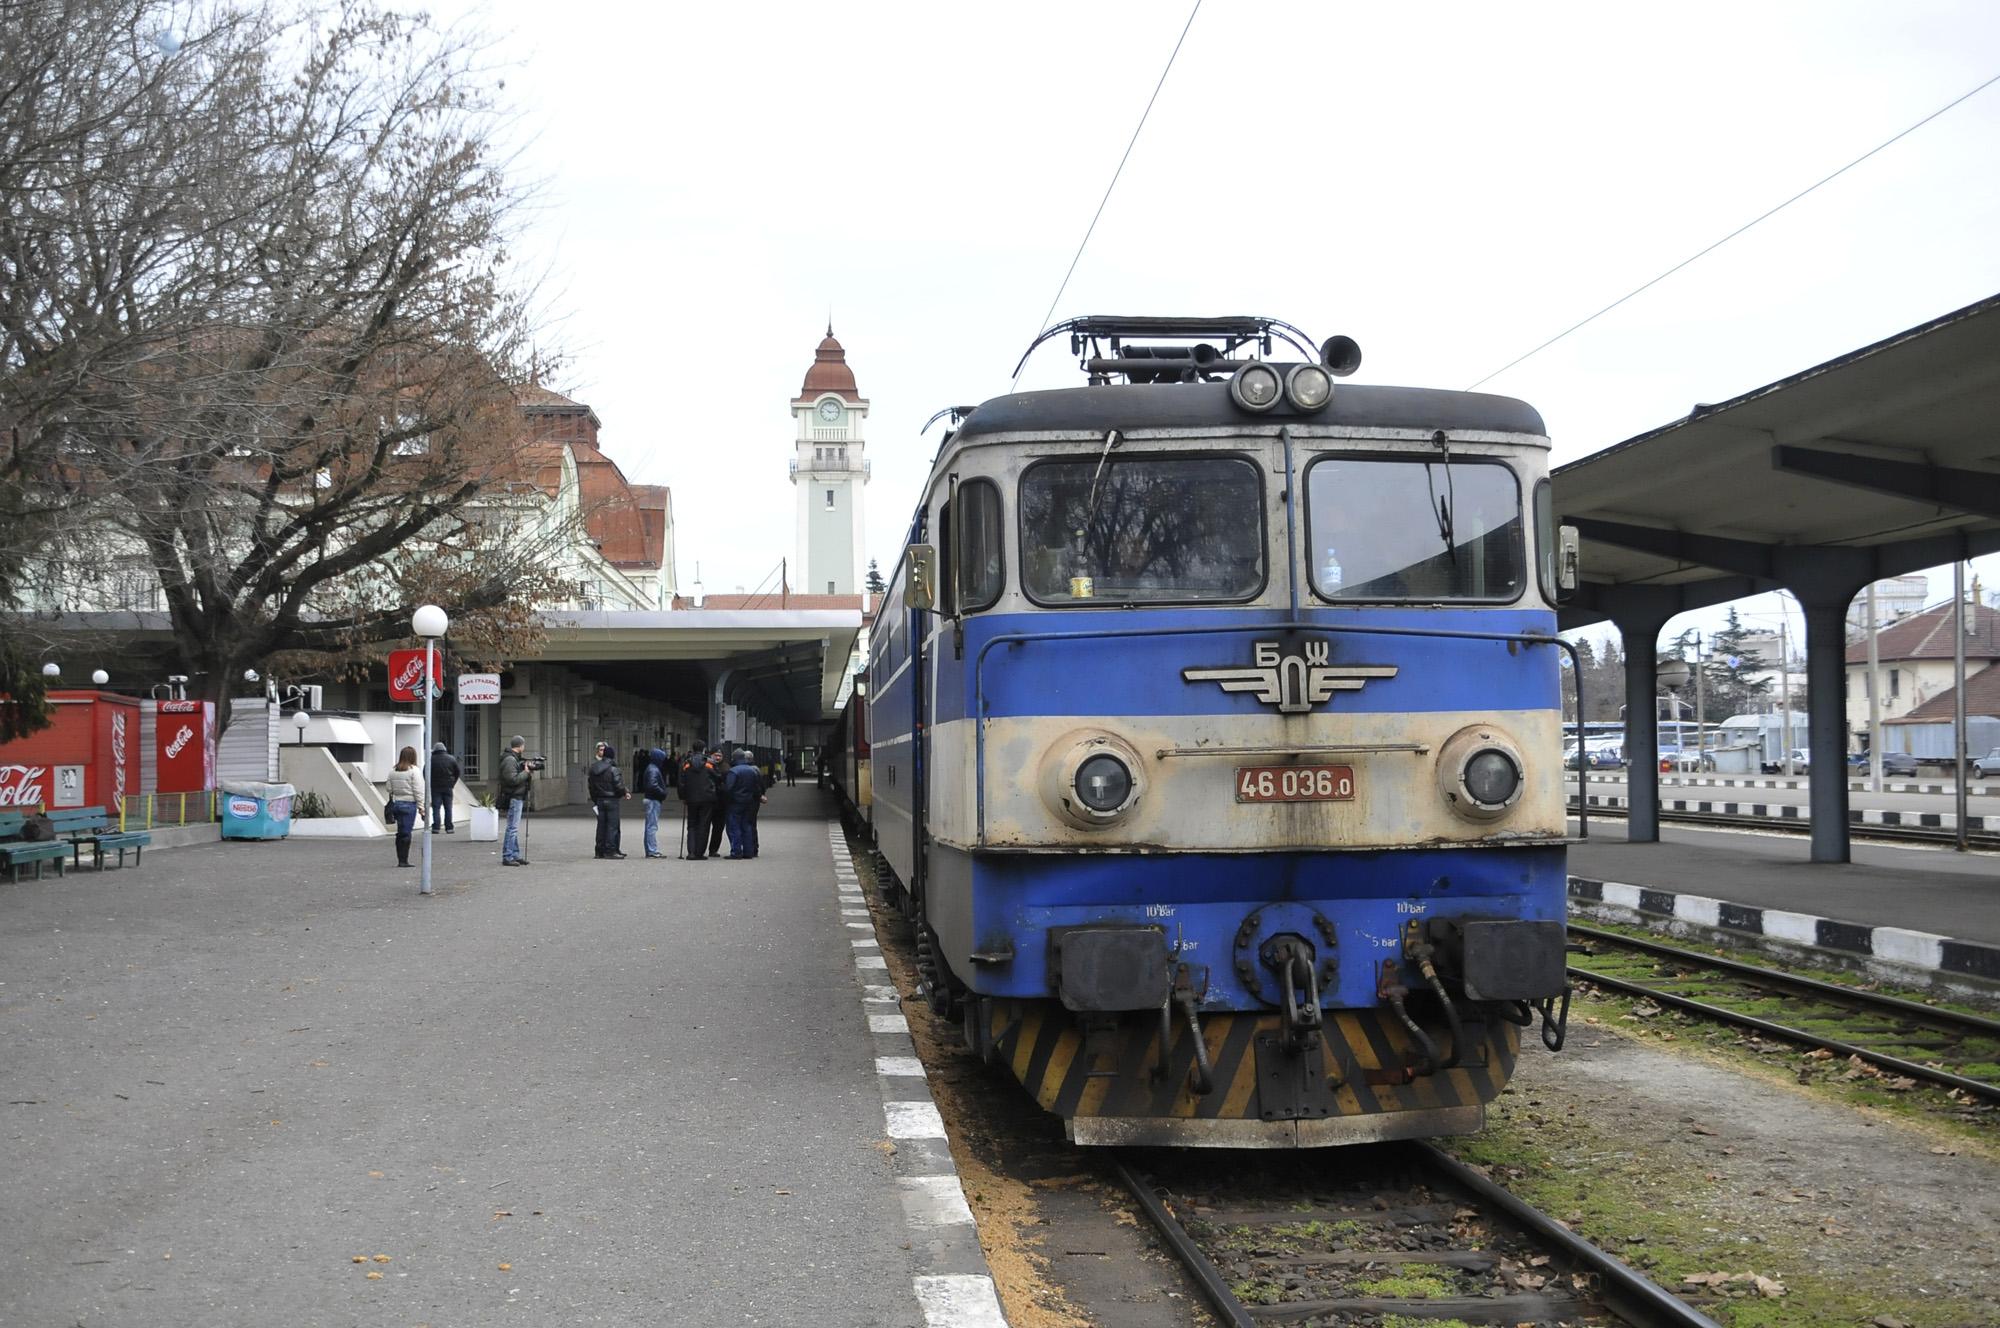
(743,792)
(653,787)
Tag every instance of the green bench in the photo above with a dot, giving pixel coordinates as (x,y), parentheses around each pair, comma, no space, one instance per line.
(93,826)
(16,852)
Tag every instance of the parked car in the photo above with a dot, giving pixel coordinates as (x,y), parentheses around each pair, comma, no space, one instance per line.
(1893,763)
(1988,764)
(1801,763)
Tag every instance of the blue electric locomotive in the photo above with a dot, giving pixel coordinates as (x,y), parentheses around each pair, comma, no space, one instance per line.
(1215,713)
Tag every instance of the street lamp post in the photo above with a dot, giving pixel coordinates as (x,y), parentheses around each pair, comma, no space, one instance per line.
(1673,675)
(299,721)
(430,623)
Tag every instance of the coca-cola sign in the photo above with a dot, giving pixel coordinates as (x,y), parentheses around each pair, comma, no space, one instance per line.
(184,747)
(406,674)
(23,785)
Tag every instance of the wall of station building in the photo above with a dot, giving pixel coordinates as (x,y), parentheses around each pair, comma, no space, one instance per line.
(561,714)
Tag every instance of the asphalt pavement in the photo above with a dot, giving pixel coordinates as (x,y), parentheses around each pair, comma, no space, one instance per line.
(1921,887)
(580,1092)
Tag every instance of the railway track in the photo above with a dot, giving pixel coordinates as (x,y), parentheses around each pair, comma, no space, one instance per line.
(1382,1234)
(1943,1047)
(1800,825)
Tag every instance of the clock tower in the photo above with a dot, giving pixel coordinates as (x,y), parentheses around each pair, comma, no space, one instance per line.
(829,469)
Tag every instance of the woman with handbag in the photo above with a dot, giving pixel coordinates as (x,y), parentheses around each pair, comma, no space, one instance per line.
(406,801)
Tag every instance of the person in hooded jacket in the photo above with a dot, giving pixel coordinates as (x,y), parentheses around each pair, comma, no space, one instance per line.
(697,789)
(653,788)
(718,770)
(743,788)
(607,790)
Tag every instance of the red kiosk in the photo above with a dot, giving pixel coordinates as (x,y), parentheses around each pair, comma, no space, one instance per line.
(87,757)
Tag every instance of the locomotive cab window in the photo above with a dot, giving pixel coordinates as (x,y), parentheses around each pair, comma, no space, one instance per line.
(972,547)
(1421,528)
(1129,529)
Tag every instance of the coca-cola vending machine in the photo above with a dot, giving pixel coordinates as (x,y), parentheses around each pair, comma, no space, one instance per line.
(88,756)
(184,746)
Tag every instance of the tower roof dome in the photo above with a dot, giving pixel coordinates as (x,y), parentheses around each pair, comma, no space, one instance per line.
(829,372)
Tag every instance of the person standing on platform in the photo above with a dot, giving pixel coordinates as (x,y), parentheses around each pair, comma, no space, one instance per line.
(444,781)
(718,769)
(698,792)
(792,770)
(653,788)
(406,801)
(517,778)
(743,788)
(607,791)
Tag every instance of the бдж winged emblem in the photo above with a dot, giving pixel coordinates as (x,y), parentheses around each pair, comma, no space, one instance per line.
(1293,683)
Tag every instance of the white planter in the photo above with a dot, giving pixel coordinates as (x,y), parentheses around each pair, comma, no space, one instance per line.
(485,823)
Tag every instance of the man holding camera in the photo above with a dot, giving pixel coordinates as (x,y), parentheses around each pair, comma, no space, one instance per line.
(517,774)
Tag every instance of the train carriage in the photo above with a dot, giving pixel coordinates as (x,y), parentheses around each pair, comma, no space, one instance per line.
(1213,716)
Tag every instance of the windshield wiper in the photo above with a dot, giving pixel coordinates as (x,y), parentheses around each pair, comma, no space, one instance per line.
(1081,586)
(1441,508)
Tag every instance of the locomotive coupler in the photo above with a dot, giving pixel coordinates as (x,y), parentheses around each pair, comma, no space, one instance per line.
(1291,957)
(1390,988)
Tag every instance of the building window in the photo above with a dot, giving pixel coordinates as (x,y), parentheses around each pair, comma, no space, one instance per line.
(1895,682)
(829,500)
(829,588)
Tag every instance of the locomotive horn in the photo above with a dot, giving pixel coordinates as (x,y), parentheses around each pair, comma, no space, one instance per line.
(1206,355)
(1341,355)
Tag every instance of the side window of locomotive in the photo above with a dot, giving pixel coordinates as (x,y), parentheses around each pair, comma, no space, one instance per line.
(1137,529)
(978,560)
(947,586)
(1423,528)
(1546,546)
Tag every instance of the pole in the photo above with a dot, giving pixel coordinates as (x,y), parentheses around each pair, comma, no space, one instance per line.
(430,689)
(1785,679)
(1958,757)
(1874,700)
(1700,708)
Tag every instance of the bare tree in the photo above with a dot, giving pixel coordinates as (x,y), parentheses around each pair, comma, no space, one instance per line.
(257,329)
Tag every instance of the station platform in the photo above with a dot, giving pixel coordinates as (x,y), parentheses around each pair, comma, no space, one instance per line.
(623,1092)
(1919,905)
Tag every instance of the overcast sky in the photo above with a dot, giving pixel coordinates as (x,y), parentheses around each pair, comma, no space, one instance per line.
(1447,184)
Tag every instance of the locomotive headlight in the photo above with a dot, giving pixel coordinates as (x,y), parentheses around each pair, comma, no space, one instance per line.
(1492,778)
(1103,783)
(1480,773)
(1256,387)
(1308,387)
(1091,779)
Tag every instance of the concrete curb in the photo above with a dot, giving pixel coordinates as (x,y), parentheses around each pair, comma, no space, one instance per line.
(1928,956)
(952,1282)
(1853,785)
(1786,812)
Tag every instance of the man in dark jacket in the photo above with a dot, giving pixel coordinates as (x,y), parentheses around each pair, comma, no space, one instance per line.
(607,790)
(697,790)
(718,770)
(653,788)
(516,779)
(444,779)
(743,787)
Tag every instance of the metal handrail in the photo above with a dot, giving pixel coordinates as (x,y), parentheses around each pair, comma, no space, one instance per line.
(1289,625)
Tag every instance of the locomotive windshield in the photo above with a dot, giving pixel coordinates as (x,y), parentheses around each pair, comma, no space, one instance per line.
(1425,529)
(1144,529)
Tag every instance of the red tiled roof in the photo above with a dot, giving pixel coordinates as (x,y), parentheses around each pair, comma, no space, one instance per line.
(829,372)
(615,516)
(1982,697)
(1927,635)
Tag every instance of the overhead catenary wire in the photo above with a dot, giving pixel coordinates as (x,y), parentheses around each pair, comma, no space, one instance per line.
(1094,217)
(1760,217)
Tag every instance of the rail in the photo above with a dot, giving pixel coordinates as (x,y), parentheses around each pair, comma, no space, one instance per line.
(1292,624)
(1952,1022)
(1633,1298)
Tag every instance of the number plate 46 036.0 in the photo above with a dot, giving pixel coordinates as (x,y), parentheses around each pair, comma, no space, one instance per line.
(1294,783)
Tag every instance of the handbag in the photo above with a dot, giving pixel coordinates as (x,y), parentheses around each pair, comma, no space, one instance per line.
(388,813)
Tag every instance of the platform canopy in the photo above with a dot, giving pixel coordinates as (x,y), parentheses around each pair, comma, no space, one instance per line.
(784,665)
(1883,461)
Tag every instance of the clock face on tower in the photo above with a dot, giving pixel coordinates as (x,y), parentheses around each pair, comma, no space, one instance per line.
(829,410)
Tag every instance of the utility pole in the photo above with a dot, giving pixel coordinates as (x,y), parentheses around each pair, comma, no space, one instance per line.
(1958,756)
(1785,679)
(1874,700)
(1700,707)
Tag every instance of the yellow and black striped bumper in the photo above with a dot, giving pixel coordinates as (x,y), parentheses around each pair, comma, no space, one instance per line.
(1114,1094)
